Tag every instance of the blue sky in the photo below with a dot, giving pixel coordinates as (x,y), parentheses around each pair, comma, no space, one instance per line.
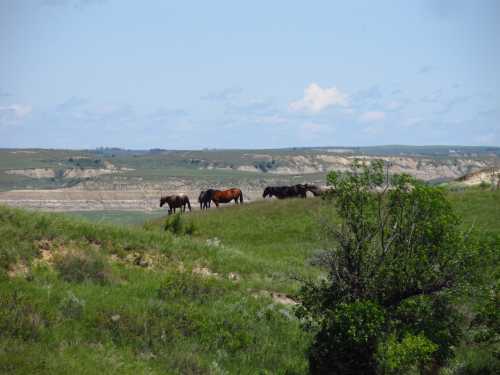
(226,74)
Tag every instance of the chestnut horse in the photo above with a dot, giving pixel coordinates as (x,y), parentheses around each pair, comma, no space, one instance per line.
(227,196)
(175,201)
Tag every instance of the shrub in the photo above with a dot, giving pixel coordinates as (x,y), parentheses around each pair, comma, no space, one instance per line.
(176,224)
(182,285)
(484,185)
(397,253)
(402,356)
(347,340)
(19,317)
(72,306)
(80,266)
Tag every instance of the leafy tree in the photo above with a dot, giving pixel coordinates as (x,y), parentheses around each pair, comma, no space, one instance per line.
(393,263)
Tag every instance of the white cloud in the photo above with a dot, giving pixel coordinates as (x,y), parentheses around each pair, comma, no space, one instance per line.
(372,116)
(312,127)
(271,120)
(486,139)
(317,99)
(374,130)
(394,106)
(14,112)
(413,121)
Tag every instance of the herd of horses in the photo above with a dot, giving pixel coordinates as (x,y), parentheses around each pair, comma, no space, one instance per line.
(206,197)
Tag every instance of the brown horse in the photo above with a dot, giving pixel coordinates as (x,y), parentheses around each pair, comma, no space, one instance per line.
(175,201)
(227,196)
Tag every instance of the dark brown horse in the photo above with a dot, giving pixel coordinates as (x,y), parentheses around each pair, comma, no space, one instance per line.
(227,196)
(205,198)
(175,201)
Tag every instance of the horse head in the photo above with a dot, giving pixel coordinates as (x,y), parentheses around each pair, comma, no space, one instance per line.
(201,197)
(163,200)
(267,192)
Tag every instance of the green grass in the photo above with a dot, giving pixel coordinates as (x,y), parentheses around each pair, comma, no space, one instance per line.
(151,314)
(479,208)
(276,238)
(125,299)
(129,218)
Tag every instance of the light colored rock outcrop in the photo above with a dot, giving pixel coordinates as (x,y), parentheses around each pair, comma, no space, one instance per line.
(33,173)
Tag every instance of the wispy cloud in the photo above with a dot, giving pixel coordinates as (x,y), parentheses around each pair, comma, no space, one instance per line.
(224,95)
(317,99)
(164,114)
(412,121)
(433,97)
(372,116)
(370,94)
(79,4)
(71,104)
(257,106)
(451,104)
(425,69)
(14,112)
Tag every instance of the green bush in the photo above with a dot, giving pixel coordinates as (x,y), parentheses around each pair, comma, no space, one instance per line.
(186,286)
(399,253)
(176,224)
(403,356)
(347,339)
(80,266)
(20,317)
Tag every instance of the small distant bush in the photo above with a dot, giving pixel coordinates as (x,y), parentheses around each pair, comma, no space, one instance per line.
(20,317)
(176,224)
(182,285)
(83,266)
(484,185)
(72,306)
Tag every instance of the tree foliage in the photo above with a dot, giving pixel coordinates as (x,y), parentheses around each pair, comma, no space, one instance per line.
(393,262)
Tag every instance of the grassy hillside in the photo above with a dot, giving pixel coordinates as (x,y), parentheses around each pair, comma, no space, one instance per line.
(78,297)
(82,298)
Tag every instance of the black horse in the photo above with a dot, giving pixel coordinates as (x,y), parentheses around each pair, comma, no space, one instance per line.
(175,201)
(205,198)
(282,192)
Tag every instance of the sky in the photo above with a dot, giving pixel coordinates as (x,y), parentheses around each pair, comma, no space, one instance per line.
(257,74)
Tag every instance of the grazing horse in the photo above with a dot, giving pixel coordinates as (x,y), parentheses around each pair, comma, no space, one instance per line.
(175,201)
(315,190)
(205,198)
(282,192)
(227,196)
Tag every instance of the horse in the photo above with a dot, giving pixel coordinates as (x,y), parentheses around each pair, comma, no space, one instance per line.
(205,198)
(316,190)
(175,201)
(282,192)
(227,196)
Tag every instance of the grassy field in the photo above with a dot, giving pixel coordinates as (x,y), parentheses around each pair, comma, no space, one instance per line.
(129,218)
(86,297)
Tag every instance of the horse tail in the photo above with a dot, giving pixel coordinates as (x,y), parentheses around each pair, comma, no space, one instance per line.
(189,204)
(241,196)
